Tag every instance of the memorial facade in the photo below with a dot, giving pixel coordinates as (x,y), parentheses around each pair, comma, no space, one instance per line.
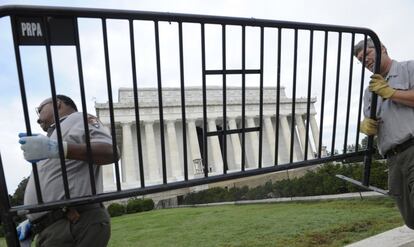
(149,127)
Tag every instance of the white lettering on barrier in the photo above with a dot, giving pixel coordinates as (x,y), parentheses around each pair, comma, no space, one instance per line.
(31,29)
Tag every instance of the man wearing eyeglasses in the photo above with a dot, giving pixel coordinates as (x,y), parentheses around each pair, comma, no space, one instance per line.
(86,225)
(394,124)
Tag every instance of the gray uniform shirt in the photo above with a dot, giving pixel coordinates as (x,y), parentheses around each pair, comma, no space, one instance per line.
(396,121)
(50,175)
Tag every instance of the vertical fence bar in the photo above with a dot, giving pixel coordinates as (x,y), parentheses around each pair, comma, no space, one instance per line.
(24,103)
(309,94)
(6,219)
(243,116)
(55,109)
(373,113)
(110,103)
(279,50)
(261,96)
(348,106)
(292,127)
(84,109)
(160,105)
(183,116)
(224,65)
(361,91)
(203,64)
(136,105)
(338,71)
(325,57)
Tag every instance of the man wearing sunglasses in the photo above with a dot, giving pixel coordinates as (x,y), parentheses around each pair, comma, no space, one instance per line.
(86,225)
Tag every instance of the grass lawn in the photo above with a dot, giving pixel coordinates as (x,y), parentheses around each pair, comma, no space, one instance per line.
(321,223)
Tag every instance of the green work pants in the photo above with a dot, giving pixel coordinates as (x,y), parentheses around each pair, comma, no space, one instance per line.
(92,229)
(401,183)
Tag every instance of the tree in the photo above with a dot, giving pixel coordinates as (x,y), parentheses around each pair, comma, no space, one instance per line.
(18,196)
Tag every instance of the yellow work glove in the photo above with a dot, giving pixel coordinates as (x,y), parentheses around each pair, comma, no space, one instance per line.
(369,126)
(380,86)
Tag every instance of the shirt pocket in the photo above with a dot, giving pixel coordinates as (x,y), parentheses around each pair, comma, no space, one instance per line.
(399,82)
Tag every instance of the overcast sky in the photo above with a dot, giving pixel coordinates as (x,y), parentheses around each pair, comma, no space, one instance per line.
(392,22)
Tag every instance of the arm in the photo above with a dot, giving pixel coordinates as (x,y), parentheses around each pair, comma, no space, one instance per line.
(102,153)
(380,86)
(405,97)
(40,147)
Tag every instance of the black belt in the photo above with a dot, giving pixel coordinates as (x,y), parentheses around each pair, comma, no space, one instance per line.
(400,148)
(51,217)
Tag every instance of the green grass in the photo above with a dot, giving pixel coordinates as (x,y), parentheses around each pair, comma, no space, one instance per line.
(327,223)
(322,223)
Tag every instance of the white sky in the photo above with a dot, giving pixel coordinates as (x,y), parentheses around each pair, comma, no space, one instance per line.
(390,20)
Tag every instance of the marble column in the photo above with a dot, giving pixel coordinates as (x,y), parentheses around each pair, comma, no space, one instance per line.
(214,149)
(174,161)
(235,143)
(108,177)
(194,147)
(302,135)
(270,134)
(254,140)
(315,131)
(129,168)
(286,135)
(154,174)
(108,172)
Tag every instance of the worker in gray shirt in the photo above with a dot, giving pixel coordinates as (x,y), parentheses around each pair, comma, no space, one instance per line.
(394,123)
(87,225)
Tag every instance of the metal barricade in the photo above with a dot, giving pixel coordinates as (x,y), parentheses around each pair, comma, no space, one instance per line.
(50,27)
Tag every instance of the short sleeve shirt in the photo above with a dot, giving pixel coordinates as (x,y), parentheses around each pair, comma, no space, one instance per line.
(50,175)
(396,120)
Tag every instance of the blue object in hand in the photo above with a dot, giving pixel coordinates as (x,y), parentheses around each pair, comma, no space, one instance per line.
(39,147)
(23,230)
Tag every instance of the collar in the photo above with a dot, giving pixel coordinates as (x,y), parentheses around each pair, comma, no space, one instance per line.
(53,126)
(393,70)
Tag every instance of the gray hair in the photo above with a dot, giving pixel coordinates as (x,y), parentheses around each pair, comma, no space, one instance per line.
(360,46)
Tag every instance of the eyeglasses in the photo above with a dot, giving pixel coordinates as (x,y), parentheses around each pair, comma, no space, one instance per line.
(39,109)
(367,54)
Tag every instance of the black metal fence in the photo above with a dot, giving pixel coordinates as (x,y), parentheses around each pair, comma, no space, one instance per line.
(306,59)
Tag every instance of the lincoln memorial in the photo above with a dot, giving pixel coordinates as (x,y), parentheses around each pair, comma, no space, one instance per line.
(149,126)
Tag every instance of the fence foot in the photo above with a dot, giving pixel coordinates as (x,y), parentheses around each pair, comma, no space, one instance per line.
(358,183)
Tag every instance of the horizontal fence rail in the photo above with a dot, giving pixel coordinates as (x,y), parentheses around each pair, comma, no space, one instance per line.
(189,99)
